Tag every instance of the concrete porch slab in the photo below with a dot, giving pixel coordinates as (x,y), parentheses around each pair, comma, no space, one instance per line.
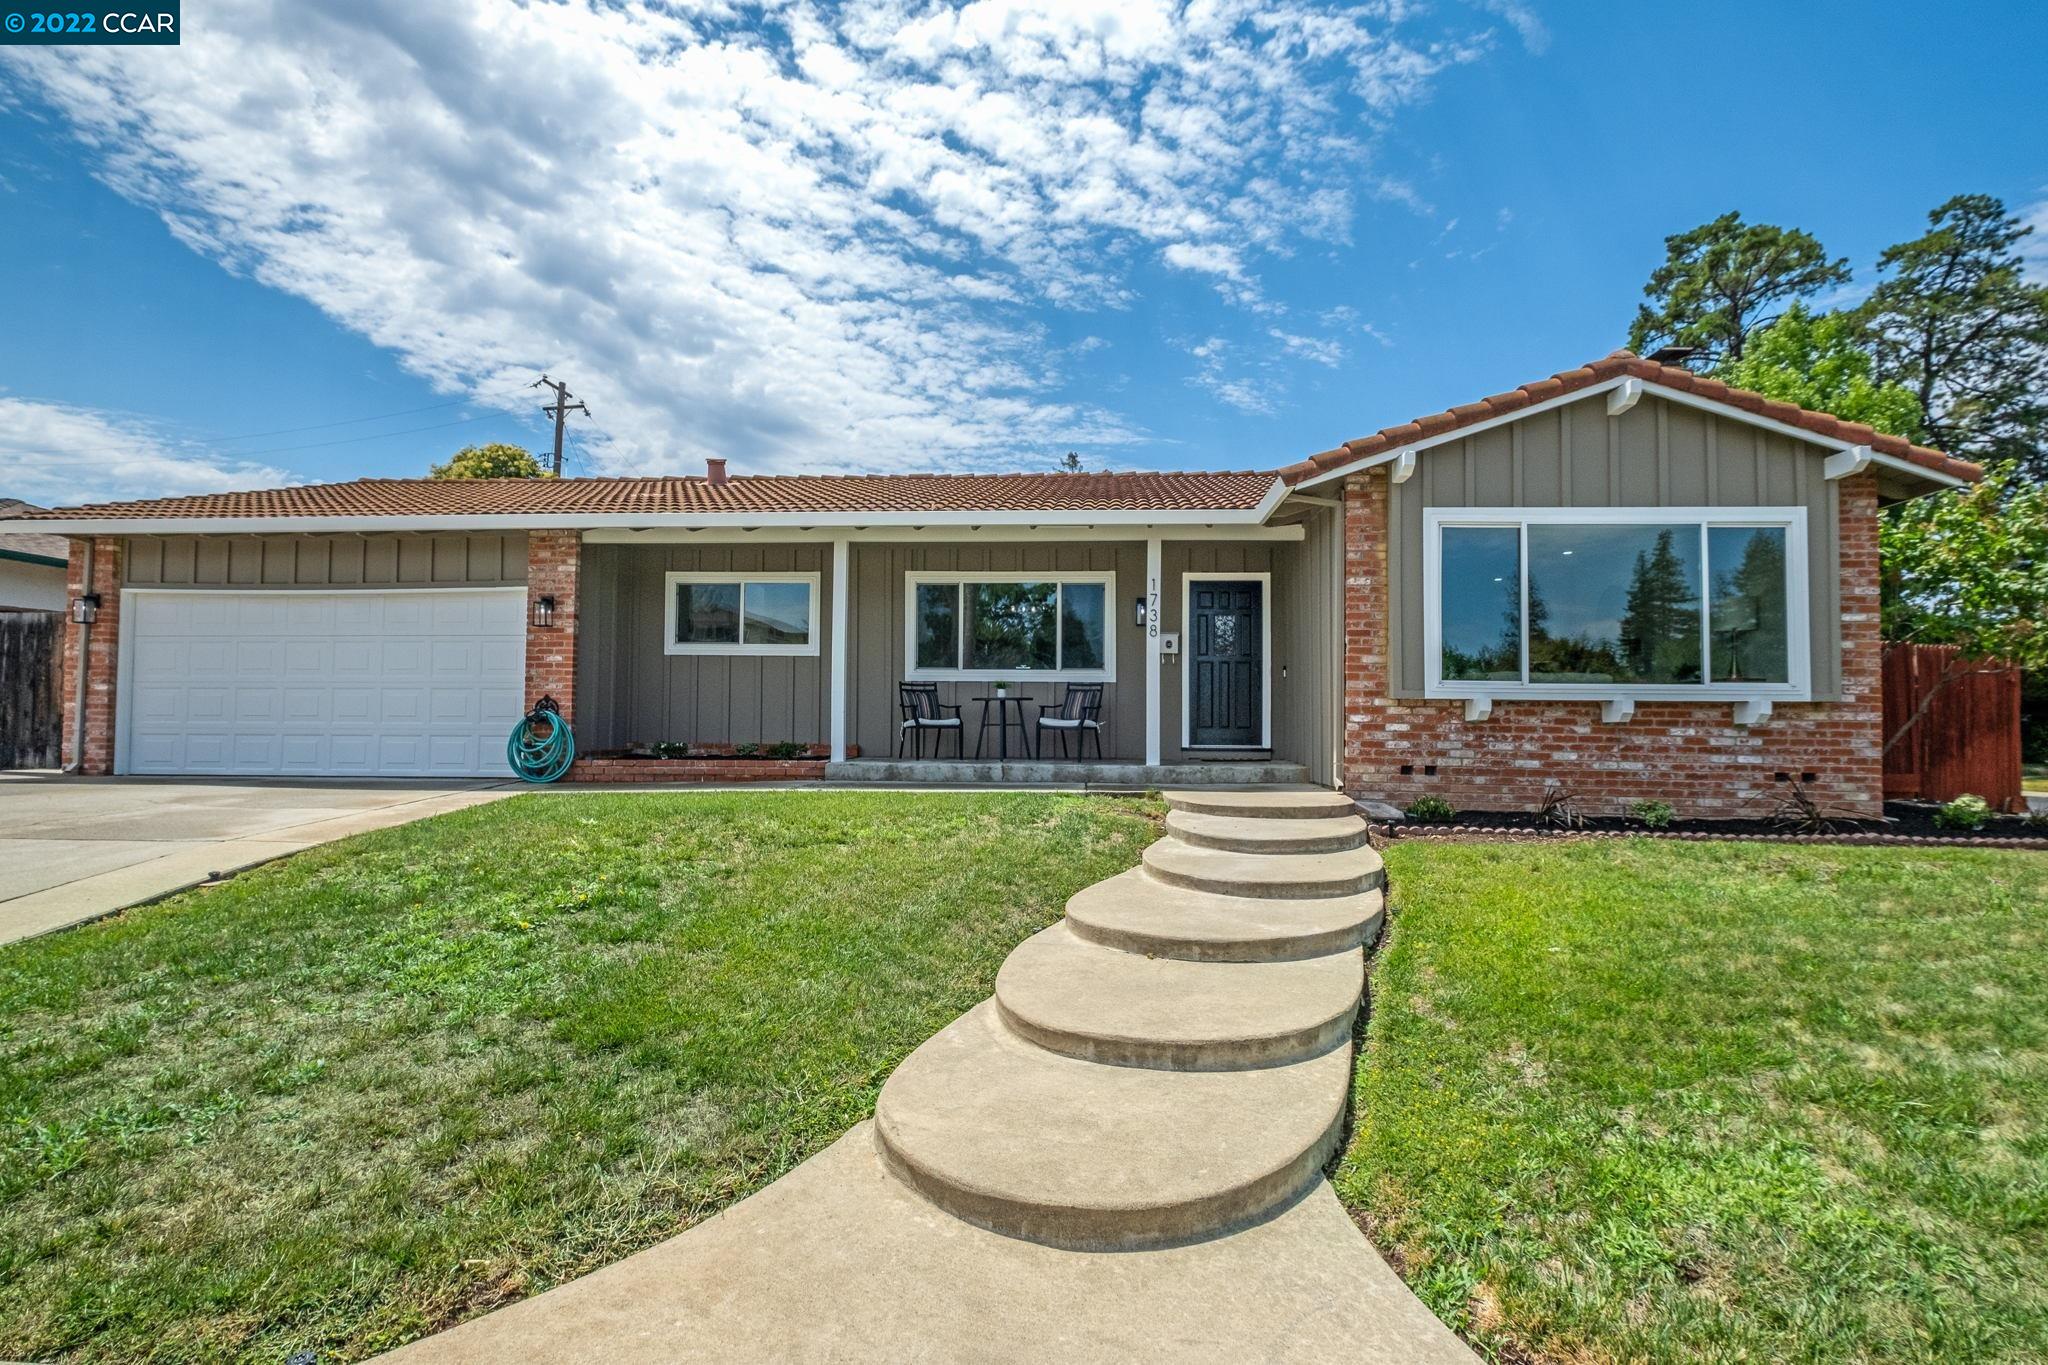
(1059,773)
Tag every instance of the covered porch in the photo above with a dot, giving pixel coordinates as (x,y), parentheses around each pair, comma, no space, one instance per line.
(1201,652)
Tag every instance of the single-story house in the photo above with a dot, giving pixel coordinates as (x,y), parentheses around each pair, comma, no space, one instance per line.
(1625,579)
(32,564)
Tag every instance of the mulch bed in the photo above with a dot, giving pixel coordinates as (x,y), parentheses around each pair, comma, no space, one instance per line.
(1909,823)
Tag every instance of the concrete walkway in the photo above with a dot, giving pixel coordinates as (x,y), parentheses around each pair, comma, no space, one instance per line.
(1118,1157)
(75,849)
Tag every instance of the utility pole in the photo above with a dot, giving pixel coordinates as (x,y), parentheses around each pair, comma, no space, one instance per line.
(559,410)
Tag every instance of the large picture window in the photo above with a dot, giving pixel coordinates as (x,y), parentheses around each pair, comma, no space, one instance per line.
(1620,602)
(730,613)
(1002,626)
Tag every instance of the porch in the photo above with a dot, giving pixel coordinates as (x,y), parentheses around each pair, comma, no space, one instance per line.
(1215,649)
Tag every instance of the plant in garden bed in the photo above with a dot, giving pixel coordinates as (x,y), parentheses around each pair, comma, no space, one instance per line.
(746,751)
(1653,814)
(1431,810)
(1560,810)
(787,749)
(1965,812)
(670,748)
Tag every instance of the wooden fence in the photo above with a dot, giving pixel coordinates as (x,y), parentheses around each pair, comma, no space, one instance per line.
(1967,740)
(31,688)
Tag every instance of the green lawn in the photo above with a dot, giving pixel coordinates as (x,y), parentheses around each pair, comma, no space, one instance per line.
(392,1082)
(1637,1100)
(2034,777)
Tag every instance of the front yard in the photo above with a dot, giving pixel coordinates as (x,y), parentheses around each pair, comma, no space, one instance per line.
(1638,1100)
(393,1082)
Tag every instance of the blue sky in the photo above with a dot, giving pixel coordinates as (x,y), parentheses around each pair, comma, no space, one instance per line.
(897,236)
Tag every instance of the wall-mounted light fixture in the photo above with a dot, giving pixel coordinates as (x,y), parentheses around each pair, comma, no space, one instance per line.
(543,612)
(1139,610)
(86,610)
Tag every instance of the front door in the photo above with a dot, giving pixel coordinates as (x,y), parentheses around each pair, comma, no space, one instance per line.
(1227,664)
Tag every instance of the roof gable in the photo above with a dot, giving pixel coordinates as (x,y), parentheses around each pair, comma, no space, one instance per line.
(1610,373)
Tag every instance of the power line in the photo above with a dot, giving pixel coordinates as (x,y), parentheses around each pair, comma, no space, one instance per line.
(324,426)
(559,410)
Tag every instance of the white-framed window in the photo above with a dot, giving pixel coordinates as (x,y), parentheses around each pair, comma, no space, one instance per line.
(1651,603)
(740,613)
(988,626)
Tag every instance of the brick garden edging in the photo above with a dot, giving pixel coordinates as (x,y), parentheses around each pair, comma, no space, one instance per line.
(715,769)
(1480,835)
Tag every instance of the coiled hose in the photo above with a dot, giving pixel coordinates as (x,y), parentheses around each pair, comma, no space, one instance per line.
(541,747)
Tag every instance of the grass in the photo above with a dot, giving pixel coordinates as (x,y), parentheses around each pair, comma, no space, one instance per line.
(390,1083)
(1634,1100)
(2034,777)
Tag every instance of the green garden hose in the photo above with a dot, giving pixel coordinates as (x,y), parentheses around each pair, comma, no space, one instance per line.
(541,747)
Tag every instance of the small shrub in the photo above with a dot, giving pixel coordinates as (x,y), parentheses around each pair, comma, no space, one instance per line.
(1801,812)
(786,749)
(1653,814)
(1965,812)
(2037,821)
(1559,810)
(1433,809)
(746,751)
(671,748)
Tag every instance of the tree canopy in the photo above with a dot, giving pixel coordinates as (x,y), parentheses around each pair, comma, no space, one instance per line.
(1957,323)
(1969,567)
(494,461)
(1720,281)
(1819,361)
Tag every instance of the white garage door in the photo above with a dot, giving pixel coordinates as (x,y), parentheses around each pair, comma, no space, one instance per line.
(358,684)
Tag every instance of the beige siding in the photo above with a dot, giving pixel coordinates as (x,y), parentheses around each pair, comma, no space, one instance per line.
(1308,645)
(876,645)
(628,690)
(325,561)
(1657,454)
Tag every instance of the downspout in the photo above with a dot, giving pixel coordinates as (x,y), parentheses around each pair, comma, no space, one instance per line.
(77,763)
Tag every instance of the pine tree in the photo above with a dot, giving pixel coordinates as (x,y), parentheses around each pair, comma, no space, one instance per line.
(1660,629)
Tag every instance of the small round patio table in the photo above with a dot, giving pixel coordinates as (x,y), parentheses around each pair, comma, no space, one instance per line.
(1003,701)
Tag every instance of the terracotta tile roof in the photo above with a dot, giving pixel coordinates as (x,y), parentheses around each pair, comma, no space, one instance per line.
(1615,365)
(1139,492)
(50,547)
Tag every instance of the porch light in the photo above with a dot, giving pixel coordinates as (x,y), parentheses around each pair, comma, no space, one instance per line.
(86,610)
(543,612)
(1138,611)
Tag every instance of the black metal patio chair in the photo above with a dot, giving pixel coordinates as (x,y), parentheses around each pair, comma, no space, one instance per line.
(923,712)
(1079,714)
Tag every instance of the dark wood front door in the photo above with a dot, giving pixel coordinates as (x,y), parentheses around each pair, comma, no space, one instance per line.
(1227,663)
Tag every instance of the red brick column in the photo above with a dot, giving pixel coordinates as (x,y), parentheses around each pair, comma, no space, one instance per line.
(554,562)
(1691,754)
(104,654)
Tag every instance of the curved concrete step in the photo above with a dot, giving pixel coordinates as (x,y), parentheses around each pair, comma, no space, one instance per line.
(1236,834)
(1137,914)
(1026,1142)
(1267,875)
(1078,998)
(1262,805)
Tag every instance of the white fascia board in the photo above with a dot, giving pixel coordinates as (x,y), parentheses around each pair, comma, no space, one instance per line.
(738,521)
(1651,386)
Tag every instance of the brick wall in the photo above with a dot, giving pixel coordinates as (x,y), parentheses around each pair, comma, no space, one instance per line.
(554,561)
(1690,754)
(104,645)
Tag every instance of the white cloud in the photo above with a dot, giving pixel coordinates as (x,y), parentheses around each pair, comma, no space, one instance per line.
(1243,392)
(780,233)
(57,455)
(1525,22)
(1319,349)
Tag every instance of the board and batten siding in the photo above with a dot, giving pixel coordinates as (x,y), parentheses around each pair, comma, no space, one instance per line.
(478,560)
(1657,454)
(629,690)
(875,654)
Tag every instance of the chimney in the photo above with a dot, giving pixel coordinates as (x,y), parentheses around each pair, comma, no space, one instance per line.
(714,471)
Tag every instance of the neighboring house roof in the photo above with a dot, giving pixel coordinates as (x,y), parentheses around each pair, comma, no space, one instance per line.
(30,547)
(1622,365)
(740,494)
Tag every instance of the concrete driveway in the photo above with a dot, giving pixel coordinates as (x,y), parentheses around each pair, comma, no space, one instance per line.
(74,849)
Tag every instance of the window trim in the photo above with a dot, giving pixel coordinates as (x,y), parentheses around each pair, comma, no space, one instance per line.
(1059,578)
(670,645)
(1798,602)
